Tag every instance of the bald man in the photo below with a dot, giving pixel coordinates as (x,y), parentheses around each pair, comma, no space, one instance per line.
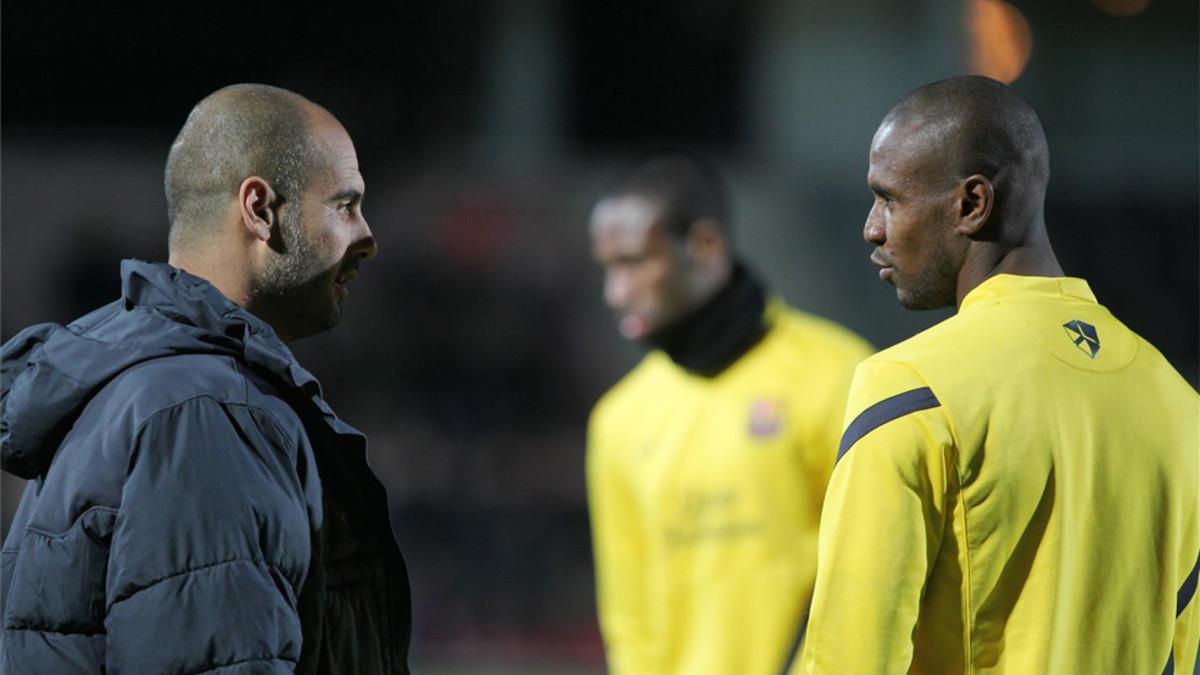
(193,504)
(1016,488)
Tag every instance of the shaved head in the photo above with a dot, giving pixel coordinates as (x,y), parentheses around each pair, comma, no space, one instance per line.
(236,132)
(976,125)
(959,169)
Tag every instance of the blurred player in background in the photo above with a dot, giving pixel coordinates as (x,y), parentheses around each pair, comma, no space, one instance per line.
(1017,488)
(193,503)
(708,462)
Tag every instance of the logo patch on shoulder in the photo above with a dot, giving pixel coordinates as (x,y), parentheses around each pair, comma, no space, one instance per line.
(1084,336)
(766,418)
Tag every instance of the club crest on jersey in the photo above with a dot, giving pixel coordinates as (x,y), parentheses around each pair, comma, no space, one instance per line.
(1084,336)
(766,418)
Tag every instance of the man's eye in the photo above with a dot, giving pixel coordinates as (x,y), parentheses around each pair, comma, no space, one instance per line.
(346,207)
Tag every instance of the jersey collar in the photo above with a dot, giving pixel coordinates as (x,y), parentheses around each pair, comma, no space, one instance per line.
(1009,285)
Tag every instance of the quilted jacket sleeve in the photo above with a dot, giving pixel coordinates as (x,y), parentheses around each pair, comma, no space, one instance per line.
(211,545)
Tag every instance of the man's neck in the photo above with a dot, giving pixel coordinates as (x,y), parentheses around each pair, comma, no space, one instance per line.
(227,276)
(1033,258)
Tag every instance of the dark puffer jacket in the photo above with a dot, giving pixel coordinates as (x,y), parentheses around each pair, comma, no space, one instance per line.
(193,503)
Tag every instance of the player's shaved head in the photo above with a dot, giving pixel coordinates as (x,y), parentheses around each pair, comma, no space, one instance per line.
(959,169)
(976,125)
(239,131)
(687,188)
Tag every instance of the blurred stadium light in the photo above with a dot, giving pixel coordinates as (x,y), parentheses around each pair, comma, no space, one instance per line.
(1000,38)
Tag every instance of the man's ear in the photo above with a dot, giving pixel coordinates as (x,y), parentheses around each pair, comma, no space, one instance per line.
(706,241)
(257,206)
(976,197)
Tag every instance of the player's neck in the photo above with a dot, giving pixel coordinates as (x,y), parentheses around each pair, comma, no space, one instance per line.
(1033,257)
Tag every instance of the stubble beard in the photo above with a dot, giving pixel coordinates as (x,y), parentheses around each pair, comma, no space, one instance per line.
(935,285)
(294,293)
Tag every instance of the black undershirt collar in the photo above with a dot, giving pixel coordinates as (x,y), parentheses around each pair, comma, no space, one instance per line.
(713,336)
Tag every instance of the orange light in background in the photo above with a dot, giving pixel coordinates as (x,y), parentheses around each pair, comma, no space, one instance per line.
(1000,39)
(1122,7)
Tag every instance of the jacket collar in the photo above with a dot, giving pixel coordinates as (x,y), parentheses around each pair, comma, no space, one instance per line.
(167,288)
(50,372)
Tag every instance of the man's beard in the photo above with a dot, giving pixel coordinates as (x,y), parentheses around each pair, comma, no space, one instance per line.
(295,293)
(935,286)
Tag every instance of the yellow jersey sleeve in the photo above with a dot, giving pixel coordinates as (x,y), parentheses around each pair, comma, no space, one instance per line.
(620,550)
(1185,654)
(883,523)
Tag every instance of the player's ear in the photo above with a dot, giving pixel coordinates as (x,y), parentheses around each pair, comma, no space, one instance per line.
(976,196)
(257,206)
(706,241)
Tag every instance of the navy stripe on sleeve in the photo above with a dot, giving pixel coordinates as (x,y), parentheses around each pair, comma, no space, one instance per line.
(885,411)
(1187,590)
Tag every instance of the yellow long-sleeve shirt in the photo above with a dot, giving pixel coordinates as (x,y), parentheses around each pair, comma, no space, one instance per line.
(1017,491)
(705,498)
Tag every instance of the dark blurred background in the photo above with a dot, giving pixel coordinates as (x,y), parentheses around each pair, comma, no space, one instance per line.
(473,347)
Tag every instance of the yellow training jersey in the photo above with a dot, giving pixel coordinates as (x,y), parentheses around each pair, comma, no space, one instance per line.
(705,498)
(1016,491)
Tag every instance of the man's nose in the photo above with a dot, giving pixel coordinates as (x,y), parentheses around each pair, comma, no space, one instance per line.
(364,246)
(873,231)
(616,289)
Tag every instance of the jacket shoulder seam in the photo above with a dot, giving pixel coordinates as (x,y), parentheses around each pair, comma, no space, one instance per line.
(167,408)
(87,331)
